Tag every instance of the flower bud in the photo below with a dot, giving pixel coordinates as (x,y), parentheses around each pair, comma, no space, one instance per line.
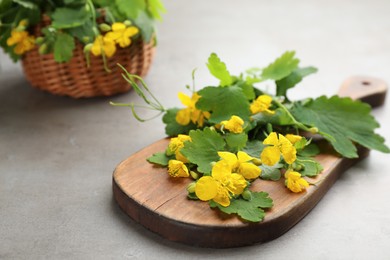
(269,128)
(86,39)
(313,130)
(247,195)
(191,187)
(194,175)
(87,48)
(256,161)
(43,49)
(127,23)
(104,27)
(39,40)
(298,167)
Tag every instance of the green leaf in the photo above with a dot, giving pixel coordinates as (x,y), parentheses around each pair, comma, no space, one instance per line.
(342,121)
(236,141)
(146,25)
(247,89)
(159,158)
(131,8)
(69,17)
(155,8)
(83,31)
(311,167)
(203,148)
(281,67)
(271,172)
(172,128)
(291,80)
(309,150)
(280,117)
(63,47)
(254,148)
(26,4)
(215,99)
(218,69)
(251,210)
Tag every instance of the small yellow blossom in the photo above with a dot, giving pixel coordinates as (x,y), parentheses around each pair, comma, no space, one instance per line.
(175,146)
(278,145)
(234,124)
(121,34)
(103,44)
(22,40)
(262,104)
(191,113)
(23,23)
(241,164)
(293,138)
(295,182)
(177,169)
(220,185)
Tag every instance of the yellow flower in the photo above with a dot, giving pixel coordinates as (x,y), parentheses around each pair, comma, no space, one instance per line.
(295,182)
(262,104)
(191,113)
(279,145)
(234,124)
(103,44)
(220,185)
(293,138)
(176,144)
(177,169)
(23,41)
(241,164)
(121,34)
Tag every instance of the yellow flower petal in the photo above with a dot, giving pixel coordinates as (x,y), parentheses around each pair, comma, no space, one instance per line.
(118,27)
(221,171)
(177,169)
(270,155)
(103,44)
(287,149)
(234,124)
(261,104)
(236,184)
(230,158)
(271,139)
(131,31)
(183,116)
(249,171)
(185,100)
(206,188)
(293,138)
(243,157)
(222,196)
(295,182)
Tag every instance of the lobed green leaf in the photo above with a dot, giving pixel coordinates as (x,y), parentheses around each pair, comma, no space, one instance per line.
(281,67)
(218,69)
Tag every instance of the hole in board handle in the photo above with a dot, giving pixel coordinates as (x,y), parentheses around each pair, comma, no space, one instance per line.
(366,83)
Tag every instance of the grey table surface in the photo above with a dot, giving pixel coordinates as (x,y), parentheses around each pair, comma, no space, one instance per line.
(57,154)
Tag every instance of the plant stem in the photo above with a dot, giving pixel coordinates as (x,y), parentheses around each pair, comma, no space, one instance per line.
(296,123)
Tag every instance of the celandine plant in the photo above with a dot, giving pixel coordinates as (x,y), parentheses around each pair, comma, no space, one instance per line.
(75,20)
(230,135)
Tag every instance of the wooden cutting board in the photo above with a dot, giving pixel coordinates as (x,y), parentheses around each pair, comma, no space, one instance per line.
(158,202)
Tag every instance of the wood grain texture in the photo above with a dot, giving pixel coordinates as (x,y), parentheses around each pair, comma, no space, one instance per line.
(148,195)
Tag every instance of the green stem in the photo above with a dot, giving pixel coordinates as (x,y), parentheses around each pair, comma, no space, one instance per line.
(296,123)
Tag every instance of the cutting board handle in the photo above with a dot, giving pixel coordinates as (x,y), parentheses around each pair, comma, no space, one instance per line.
(367,89)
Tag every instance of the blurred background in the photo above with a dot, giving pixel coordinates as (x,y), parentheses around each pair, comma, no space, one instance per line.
(57,154)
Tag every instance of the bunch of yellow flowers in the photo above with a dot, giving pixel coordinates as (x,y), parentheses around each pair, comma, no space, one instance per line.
(119,34)
(21,39)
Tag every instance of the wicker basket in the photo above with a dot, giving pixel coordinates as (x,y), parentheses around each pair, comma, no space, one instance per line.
(76,79)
